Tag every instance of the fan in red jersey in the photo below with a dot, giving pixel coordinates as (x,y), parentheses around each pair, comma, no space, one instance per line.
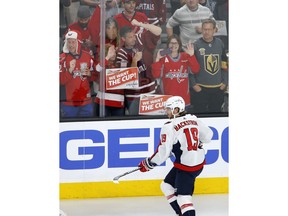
(125,17)
(76,66)
(155,10)
(173,69)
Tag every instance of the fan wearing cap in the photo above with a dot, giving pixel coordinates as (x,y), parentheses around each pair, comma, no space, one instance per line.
(76,66)
(183,137)
(81,25)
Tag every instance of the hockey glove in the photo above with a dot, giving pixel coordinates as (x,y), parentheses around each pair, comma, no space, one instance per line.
(146,165)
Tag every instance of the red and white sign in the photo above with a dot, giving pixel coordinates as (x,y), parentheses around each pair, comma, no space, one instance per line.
(122,78)
(151,104)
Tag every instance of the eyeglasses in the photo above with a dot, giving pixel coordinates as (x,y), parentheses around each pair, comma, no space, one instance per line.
(173,43)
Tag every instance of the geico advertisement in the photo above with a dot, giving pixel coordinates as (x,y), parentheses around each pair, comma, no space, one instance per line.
(99,151)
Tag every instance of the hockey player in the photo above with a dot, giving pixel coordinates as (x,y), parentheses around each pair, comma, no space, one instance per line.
(182,136)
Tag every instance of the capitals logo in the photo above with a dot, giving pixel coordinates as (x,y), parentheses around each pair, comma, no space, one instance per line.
(211,63)
(78,73)
(179,75)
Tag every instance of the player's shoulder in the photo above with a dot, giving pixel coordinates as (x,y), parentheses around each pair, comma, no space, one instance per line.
(168,126)
(190,116)
(168,122)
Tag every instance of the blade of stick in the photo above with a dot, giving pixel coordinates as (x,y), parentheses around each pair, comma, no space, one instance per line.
(116,179)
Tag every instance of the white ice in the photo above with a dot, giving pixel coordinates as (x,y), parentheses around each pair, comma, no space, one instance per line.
(205,205)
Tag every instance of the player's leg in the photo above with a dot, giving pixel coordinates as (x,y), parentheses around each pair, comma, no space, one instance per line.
(168,189)
(185,188)
(185,202)
(169,193)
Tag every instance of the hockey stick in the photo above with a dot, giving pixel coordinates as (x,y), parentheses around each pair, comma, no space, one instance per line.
(115,180)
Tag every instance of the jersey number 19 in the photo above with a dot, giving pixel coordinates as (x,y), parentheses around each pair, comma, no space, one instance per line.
(192,138)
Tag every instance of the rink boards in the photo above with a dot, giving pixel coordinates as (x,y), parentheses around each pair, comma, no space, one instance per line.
(93,153)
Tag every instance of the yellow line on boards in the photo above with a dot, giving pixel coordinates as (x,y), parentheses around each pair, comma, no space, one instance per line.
(84,190)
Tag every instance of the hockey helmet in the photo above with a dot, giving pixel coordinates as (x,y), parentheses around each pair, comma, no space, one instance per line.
(175,101)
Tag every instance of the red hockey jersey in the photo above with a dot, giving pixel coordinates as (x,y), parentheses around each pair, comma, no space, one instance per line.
(173,74)
(155,10)
(122,21)
(77,86)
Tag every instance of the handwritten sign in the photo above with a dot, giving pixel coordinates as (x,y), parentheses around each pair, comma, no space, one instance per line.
(152,104)
(122,78)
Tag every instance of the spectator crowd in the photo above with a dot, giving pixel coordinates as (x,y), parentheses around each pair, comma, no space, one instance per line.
(179,48)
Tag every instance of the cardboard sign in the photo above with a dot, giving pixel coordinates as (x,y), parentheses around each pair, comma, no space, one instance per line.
(152,104)
(122,78)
